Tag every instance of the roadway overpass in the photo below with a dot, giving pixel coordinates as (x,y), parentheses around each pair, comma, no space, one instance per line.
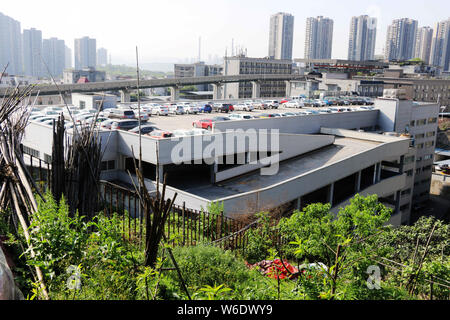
(174,83)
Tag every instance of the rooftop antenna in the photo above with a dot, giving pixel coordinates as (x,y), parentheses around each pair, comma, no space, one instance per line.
(232,47)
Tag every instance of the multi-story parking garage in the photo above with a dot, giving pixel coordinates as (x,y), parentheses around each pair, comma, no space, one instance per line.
(292,161)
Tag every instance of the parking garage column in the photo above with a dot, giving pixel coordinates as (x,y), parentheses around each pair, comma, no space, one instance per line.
(288,88)
(160,173)
(217,91)
(256,89)
(214,169)
(358,182)
(330,194)
(125,96)
(174,93)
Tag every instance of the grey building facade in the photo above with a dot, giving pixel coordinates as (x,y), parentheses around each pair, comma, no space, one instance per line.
(362,38)
(401,39)
(440,48)
(319,38)
(10,45)
(102,57)
(32,51)
(54,55)
(244,65)
(423,44)
(85,53)
(281,36)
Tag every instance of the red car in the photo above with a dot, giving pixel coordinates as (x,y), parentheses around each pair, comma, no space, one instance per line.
(203,124)
(285,100)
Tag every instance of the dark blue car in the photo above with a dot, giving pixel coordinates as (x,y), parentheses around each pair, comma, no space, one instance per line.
(206,108)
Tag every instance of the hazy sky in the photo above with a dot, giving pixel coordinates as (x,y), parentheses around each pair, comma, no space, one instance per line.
(168,30)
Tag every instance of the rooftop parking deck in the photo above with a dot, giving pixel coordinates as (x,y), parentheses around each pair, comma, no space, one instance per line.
(343,148)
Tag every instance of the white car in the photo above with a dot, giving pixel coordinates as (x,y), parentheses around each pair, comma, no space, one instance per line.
(83,117)
(272,104)
(243,107)
(172,108)
(160,110)
(54,109)
(237,116)
(294,104)
(320,102)
(186,133)
(189,109)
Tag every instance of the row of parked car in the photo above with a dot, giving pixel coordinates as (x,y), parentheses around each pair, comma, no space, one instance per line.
(301,102)
(114,119)
(207,124)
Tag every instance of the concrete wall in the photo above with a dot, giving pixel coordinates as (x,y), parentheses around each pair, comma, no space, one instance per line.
(310,124)
(291,189)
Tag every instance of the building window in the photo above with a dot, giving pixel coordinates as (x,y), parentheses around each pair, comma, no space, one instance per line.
(432,120)
(428,157)
(47,158)
(429,144)
(409,159)
(427,168)
(431,134)
(410,173)
(406,192)
(412,123)
(418,171)
(420,136)
(31,152)
(108,165)
(421,122)
(420,146)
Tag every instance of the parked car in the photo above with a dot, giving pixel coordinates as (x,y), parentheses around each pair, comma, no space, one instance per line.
(272,104)
(81,118)
(240,116)
(337,109)
(294,104)
(224,107)
(107,124)
(159,134)
(261,105)
(243,107)
(160,110)
(124,124)
(186,133)
(320,103)
(172,107)
(98,120)
(221,118)
(190,109)
(205,108)
(203,124)
(121,114)
(145,129)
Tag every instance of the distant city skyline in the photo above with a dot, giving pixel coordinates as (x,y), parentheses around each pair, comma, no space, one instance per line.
(169,31)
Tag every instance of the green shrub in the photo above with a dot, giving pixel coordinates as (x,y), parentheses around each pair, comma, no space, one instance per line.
(206,265)
(259,240)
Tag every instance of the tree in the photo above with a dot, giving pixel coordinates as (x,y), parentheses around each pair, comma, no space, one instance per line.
(315,235)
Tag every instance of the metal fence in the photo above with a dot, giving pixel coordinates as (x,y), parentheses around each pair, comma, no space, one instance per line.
(184,226)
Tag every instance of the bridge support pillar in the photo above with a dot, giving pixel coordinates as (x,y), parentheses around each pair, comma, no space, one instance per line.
(288,88)
(256,89)
(125,96)
(217,91)
(174,93)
